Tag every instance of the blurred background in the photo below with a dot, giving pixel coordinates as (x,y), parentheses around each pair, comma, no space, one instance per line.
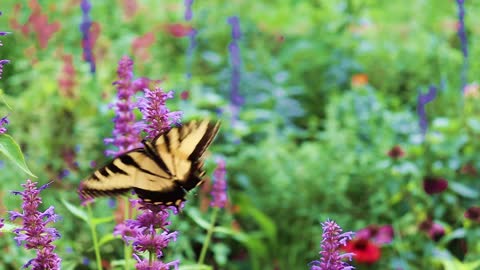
(365,112)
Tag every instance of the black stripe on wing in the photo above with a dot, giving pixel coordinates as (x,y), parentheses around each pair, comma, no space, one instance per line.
(206,140)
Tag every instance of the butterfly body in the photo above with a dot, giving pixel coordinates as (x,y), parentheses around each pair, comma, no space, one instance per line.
(162,172)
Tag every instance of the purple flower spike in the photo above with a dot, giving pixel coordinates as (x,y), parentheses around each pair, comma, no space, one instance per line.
(87,42)
(421,102)
(235,23)
(219,188)
(462,35)
(126,134)
(2,61)
(34,232)
(157,117)
(331,256)
(188,9)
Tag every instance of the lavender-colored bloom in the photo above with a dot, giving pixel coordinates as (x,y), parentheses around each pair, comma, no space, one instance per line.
(235,98)
(2,223)
(34,232)
(193,43)
(126,134)
(188,9)
(3,122)
(219,188)
(235,23)
(86,35)
(421,102)
(331,256)
(462,35)
(142,234)
(156,116)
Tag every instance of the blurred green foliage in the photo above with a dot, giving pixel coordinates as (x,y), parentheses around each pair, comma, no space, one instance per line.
(310,142)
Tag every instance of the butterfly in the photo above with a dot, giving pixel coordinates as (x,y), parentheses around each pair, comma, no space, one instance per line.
(162,172)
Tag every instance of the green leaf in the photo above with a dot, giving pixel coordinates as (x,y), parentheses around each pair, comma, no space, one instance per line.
(12,151)
(195,267)
(194,214)
(76,211)
(97,221)
(463,190)
(106,238)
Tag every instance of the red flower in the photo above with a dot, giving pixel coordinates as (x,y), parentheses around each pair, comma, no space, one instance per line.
(396,152)
(434,185)
(434,230)
(178,30)
(364,250)
(184,95)
(473,213)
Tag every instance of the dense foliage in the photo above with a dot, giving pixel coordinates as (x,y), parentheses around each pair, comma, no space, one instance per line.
(358,111)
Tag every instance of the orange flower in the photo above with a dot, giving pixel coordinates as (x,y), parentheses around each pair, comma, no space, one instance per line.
(359,80)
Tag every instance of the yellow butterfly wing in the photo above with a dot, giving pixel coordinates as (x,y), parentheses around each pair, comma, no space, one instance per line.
(161,173)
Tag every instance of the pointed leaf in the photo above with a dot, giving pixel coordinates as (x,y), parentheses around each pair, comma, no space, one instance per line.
(12,151)
(76,211)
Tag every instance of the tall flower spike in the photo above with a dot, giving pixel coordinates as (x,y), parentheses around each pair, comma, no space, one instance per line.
(236,99)
(331,256)
(462,35)
(126,134)
(87,41)
(219,188)
(422,101)
(156,116)
(188,9)
(34,231)
(2,61)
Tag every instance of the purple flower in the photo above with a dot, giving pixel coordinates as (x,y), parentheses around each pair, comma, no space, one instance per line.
(462,35)
(142,234)
(126,134)
(219,188)
(434,185)
(188,9)
(156,116)
(421,102)
(331,256)
(2,223)
(3,122)
(235,98)
(379,235)
(473,213)
(2,61)
(87,42)
(34,232)
(193,43)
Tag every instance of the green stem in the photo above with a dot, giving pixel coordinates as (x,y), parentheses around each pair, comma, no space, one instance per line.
(95,239)
(206,242)
(127,250)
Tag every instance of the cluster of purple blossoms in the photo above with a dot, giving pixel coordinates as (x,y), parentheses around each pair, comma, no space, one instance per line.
(34,231)
(126,134)
(3,122)
(2,61)
(331,256)
(142,233)
(86,35)
(219,188)
(421,102)
(156,116)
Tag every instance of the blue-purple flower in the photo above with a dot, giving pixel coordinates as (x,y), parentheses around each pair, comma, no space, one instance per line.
(188,9)
(156,116)
(87,42)
(219,187)
(421,102)
(34,232)
(126,133)
(4,121)
(331,256)
(462,35)
(148,234)
(2,61)
(235,60)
